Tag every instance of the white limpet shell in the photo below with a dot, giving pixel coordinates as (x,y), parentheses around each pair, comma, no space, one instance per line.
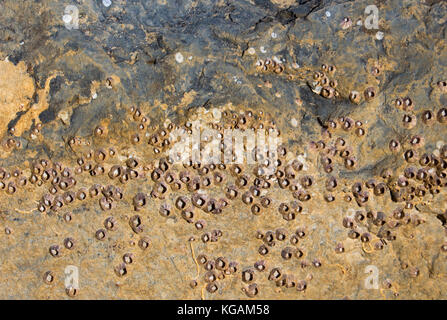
(179,57)
(294,122)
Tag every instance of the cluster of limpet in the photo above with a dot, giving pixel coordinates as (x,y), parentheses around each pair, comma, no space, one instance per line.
(146,179)
(270,65)
(324,83)
(216,270)
(333,148)
(12,141)
(424,172)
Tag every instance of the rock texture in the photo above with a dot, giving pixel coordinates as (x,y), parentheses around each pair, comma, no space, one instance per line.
(87,120)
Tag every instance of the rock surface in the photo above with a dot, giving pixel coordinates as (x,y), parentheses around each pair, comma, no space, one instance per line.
(354,103)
